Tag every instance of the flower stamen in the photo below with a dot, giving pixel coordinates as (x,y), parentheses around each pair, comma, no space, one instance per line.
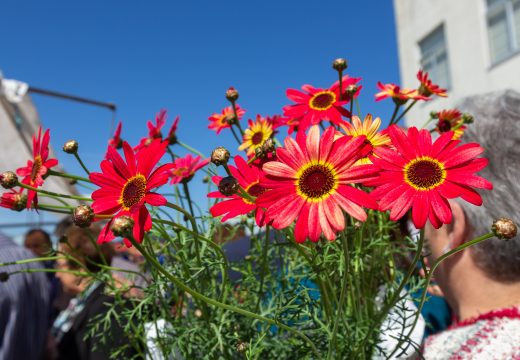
(322,100)
(316,182)
(133,191)
(424,173)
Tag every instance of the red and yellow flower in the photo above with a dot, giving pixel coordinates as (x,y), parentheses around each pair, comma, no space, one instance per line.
(249,178)
(221,121)
(256,134)
(116,141)
(369,129)
(126,187)
(184,169)
(315,105)
(423,175)
(427,88)
(311,182)
(36,169)
(14,200)
(450,120)
(154,131)
(396,93)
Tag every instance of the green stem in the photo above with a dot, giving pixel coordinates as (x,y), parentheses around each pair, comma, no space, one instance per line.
(27,261)
(264,269)
(51,209)
(68,176)
(237,122)
(235,135)
(213,302)
(342,296)
(188,198)
(190,149)
(430,276)
(404,112)
(81,163)
(397,293)
(394,114)
(53,194)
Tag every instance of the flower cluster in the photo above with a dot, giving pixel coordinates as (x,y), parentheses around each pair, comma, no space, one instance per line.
(313,182)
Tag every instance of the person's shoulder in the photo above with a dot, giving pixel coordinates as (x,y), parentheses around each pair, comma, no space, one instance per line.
(492,335)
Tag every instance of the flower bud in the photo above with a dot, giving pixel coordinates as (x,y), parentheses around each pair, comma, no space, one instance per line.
(339,64)
(19,202)
(434,114)
(228,186)
(352,89)
(231,119)
(4,276)
(504,228)
(8,180)
(242,346)
(71,147)
(467,118)
(268,146)
(206,179)
(82,216)
(122,226)
(232,94)
(220,156)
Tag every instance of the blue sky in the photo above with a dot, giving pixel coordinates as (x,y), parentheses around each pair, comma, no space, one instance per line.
(182,56)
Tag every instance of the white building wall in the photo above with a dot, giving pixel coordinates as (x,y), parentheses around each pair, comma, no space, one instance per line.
(465,31)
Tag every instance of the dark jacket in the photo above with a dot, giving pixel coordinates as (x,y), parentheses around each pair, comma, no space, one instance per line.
(76,345)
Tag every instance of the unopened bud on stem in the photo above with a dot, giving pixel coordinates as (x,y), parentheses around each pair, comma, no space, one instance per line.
(83,216)
(232,94)
(228,186)
(71,147)
(220,156)
(339,64)
(4,276)
(8,180)
(504,228)
(122,226)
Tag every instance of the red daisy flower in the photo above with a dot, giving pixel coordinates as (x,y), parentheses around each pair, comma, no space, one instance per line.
(396,93)
(311,180)
(249,178)
(427,88)
(422,175)
(14,200)
(126,187)
(315,105)
(450,120)
(116,141)
(221,121)
(172,134)
(184,169)
(154,131)
(35,170)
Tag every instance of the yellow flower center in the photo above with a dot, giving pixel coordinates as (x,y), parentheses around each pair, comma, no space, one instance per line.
(37,165)
(316,182)
(424,173)
(133,191)
(322,100)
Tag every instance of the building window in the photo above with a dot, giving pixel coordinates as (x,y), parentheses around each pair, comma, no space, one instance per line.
(503,20)
(434,57)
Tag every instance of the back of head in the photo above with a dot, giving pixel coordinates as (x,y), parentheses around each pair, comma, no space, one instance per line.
(497,129)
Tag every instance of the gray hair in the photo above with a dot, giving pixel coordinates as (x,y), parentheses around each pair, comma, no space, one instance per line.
(497,130)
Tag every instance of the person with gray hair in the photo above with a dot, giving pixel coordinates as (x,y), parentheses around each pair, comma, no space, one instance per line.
(482,282)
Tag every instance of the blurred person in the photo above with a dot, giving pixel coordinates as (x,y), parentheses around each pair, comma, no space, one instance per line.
(38,241)
(482,283)
(71,328)
(24,300)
